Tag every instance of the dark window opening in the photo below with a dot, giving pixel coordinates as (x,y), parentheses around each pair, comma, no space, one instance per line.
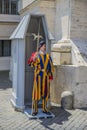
(5,48)
(0,6)
(8,6)
(13,7)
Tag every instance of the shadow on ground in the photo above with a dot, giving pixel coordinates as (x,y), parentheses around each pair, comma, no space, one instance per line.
(5,83)
(61,116)
(84,109)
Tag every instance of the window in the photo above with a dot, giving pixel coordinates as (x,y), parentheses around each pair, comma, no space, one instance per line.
(13,7)
(0,48)
(8,6)
(0,6)
(5,48)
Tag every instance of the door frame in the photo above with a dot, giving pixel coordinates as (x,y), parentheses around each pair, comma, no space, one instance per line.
(46,37)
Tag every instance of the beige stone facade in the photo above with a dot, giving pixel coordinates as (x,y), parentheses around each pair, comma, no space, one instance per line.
(62,23)
(8,23)
(79,19)
(41,7)
(71,77)
(67,22)
(6,29)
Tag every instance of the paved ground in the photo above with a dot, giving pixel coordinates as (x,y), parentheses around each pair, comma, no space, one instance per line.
(12,120)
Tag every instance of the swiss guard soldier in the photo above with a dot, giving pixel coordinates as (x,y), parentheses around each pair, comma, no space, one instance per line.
(43,73)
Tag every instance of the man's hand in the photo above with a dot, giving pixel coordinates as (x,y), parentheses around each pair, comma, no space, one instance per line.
(35,56)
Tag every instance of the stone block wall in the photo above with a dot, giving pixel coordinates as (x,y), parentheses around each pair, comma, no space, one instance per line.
(64,80)
(6,29)
(8,23)
(78,27)
(62,19)
(24,3)
(5,63)
(78,19)
(44,7)
(48,8)
(66,19)
(70,78)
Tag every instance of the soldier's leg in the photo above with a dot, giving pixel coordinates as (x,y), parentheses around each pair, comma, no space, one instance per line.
(44,105)
(34,107)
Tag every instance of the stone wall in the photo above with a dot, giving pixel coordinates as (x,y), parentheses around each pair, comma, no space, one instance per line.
(44,7)
(79,19)
(24,3)
(78,30)
(7,25)
(5,63)
(66,19)
(62,19)
(49,13)
(6,29)
(57,14)
(70,78)
(64,79)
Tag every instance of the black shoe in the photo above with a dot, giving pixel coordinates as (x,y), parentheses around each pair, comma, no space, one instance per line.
(47,112)
(34,113)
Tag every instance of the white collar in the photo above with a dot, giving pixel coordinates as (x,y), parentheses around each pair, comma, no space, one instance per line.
(41,52)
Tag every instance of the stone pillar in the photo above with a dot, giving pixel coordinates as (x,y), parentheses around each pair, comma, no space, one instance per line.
(61,52)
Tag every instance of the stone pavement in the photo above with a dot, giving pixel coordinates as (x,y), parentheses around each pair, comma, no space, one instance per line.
(13,120)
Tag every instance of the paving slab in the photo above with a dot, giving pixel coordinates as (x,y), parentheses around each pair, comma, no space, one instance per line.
(40,115)
(13,120)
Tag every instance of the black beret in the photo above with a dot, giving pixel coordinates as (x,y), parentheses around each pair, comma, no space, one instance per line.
(41,44)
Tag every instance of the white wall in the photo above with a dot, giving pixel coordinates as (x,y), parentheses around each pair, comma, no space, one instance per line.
(4,63)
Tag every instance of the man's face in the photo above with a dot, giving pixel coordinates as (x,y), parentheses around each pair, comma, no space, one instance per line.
(43,48)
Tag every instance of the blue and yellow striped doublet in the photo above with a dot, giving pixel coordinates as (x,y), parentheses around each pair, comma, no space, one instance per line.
(43,69)
(42,73)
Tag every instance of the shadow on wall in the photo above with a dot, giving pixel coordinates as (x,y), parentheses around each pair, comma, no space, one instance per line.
(81,46)
(5,83)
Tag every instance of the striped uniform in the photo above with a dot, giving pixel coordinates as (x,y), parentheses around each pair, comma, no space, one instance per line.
(42,74)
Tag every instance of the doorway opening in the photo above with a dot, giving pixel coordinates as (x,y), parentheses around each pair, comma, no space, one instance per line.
(36,26)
